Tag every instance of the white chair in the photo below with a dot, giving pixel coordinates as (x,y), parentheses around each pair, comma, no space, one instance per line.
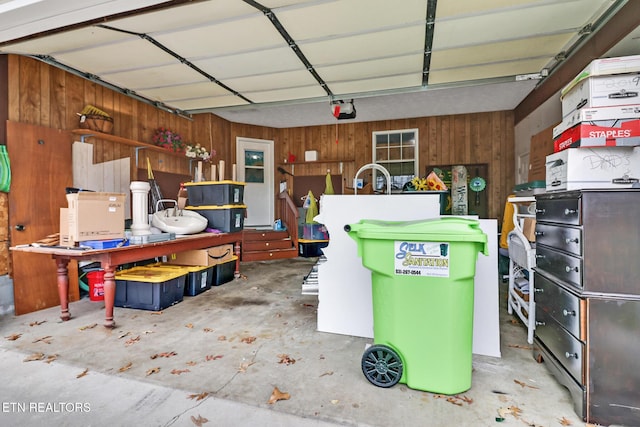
(522,260)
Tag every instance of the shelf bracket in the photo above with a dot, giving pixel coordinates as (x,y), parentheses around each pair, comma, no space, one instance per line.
(84,137)
(137,151)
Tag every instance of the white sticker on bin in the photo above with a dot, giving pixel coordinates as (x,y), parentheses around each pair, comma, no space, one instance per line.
(427,259)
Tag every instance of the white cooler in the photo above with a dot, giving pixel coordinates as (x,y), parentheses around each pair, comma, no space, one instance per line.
(601,167)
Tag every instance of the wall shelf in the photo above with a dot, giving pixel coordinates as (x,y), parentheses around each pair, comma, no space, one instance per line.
(87,133)
(302,162)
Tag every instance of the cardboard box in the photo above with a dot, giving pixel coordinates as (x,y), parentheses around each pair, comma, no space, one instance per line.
(605,67)
(95,216)
(601,167)
(602,91)
(529,229)
(541,147)
(65,238)
(625,112)
(602,133)
(204,257)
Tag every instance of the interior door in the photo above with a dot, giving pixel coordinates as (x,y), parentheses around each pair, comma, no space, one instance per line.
(41,169)
(254,158)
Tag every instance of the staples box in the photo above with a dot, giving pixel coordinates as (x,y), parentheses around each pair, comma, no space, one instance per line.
(625,112)
(602,133)
(95,216)
(601,167)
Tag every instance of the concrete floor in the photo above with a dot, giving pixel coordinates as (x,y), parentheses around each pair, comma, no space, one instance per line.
(214,360)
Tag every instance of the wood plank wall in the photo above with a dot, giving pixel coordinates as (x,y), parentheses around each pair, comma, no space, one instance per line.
(44,95)
(443,140)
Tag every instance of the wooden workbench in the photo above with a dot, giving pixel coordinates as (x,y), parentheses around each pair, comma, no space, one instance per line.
(110,259)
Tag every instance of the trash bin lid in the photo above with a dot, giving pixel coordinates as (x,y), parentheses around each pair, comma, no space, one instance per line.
(444,229)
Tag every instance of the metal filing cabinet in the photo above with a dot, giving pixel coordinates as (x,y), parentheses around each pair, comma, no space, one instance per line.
(587,290)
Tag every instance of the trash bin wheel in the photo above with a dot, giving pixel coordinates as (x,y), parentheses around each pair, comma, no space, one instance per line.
(382,366)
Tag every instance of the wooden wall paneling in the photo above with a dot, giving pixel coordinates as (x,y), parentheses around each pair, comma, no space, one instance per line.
(57,102)
(30,92)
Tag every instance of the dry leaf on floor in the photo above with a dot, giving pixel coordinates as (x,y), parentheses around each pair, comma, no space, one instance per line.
(515,411)
(153,370)
(465,399)
(125,367)
(209,357)
(243,367)
(147,332)
(132,341)
(200,396)
(278,395)
(179,371)
(335,401)
(37,322)
(523,384)
(326,373)
(208,330)
(124,335)
(222,338)
(199,421)
(46,340)
(83,373)
(93,325)
(192,363)
(50,358)
(156,312)
(454,401)
(284,358)
(565,422)
(189,325)
(34,357)
(248,340)
(13,337)
(169,354)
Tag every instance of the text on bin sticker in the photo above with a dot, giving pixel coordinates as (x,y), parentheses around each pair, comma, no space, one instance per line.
(429,259)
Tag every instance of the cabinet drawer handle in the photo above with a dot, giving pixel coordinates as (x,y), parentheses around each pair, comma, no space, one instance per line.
(538,290)
(570,355)
(540,323)
(566,312)
(568,240)
(539,233)
(569,269)
(539,256)
(570,211)
(540,211)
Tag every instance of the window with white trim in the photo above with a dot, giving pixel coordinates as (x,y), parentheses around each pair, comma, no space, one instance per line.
(397,152)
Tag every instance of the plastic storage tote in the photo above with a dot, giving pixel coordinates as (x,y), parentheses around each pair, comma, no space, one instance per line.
(422,287)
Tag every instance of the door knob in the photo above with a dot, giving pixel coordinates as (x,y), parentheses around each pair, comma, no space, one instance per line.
(20,227)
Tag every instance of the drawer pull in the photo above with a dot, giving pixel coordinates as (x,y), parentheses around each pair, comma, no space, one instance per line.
(571,355)
(540,211)
(538,290)
(539,233)
(540,323)
(539,256)
(569,269)
(566,312)
(567,240)
(570,211)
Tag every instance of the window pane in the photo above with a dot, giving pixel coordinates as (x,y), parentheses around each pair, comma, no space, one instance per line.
(396,151)
(253,158)
(254,175)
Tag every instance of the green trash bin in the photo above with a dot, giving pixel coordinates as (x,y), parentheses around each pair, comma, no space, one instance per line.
(422,275)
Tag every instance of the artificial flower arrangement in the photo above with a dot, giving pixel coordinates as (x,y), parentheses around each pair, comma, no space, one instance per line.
(166,138)
(431,183)
(199,152)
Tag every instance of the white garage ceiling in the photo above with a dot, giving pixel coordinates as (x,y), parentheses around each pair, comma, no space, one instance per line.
(281,62)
